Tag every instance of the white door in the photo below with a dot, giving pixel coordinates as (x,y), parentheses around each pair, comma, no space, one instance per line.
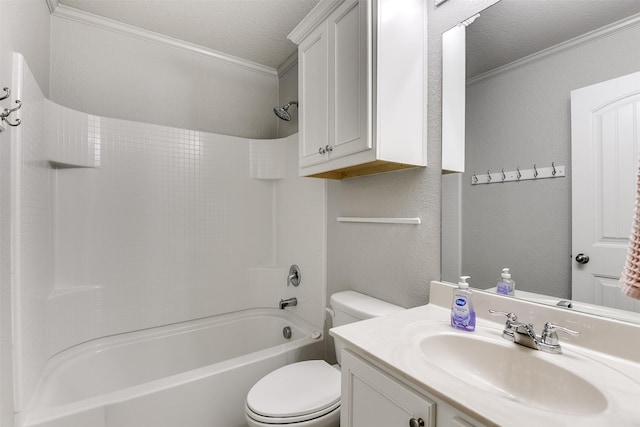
(605,138)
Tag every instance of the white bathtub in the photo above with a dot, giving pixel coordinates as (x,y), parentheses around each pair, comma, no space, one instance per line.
(185,375)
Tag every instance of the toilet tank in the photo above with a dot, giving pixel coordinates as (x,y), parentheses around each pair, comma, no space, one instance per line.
(351,306)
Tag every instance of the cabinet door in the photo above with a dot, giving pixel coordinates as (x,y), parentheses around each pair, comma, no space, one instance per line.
(313,95)
(370,398)
(348,117)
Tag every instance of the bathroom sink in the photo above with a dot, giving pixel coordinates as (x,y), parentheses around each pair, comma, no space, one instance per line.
(510,371)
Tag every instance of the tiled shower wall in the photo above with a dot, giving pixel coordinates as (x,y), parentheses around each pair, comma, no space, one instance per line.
(163,229)
(159,225)
(126,226)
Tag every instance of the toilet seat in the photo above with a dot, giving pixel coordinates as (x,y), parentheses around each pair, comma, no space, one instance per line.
(295,393)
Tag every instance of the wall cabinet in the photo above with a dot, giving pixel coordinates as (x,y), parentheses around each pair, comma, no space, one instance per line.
(361,87)
(373,398)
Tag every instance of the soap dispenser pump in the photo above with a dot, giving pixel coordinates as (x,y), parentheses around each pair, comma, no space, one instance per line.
(463,316)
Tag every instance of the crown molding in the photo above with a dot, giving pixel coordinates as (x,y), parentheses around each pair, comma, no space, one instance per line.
(73,14)
(317,15)
(288,63)
(53,4)
(553,50)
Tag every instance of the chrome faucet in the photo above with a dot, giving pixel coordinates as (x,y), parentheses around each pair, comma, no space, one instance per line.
(287,302)
(524,334)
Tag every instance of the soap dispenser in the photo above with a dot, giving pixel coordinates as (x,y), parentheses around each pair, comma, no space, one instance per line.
(506,286)
(463,316)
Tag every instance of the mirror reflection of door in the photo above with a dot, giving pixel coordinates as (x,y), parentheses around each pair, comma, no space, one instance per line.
(605,139)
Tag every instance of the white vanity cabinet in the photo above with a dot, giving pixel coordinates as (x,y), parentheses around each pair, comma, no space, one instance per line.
(373,398)
(361,87)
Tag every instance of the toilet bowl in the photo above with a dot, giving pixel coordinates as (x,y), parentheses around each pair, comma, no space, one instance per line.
(307,394)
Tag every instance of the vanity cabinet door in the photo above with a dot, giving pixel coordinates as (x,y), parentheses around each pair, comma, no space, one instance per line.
(370,398)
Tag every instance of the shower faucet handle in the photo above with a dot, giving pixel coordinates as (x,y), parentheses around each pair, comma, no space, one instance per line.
(295,276)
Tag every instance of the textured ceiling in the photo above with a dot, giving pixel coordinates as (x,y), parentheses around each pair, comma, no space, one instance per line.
(513,29)
(255,30)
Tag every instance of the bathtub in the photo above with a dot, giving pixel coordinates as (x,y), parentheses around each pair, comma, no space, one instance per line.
(189,374)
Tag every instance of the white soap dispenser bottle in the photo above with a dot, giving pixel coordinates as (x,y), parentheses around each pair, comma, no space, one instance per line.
(463,316)
(506,286)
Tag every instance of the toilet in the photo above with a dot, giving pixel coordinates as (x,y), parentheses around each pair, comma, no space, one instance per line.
(307,394)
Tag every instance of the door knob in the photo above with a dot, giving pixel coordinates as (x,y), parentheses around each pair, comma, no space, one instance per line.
(582,258)
(416,422)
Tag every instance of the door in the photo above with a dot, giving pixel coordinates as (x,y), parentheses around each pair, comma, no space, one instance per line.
(605,129)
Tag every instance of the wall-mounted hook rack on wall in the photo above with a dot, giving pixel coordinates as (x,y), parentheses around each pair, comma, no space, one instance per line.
(518,175)
(4,115)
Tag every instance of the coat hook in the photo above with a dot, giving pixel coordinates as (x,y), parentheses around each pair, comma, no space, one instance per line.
(475,178)
(488,175)
(17,122)
(535,171)
(553,165)
(503,175)
(519,175)
(7,92)
(8,111)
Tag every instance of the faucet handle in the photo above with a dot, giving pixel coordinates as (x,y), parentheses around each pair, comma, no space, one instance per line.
(295,276)
(510,325)
(549,335)
(511,317)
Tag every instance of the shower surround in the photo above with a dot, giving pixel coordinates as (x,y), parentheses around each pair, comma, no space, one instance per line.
(122,226)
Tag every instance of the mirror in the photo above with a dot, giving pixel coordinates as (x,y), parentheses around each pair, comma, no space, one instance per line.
(523,59)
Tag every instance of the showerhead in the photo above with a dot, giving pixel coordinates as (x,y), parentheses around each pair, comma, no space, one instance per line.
(283,112)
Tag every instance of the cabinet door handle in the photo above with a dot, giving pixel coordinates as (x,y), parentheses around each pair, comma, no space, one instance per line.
(321,150)
(416,422)
(328,148)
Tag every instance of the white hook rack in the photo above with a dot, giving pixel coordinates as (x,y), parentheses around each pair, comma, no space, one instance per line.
(518,175)
(4,114)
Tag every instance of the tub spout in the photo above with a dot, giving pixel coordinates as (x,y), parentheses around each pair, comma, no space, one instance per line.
(287,302)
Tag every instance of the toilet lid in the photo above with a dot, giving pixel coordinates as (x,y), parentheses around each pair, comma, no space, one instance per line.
(297,389)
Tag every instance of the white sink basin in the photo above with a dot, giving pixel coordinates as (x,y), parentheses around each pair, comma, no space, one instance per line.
(595,382)
(514,372)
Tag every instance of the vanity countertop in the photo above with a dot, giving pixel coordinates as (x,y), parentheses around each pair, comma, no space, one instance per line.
(394,343)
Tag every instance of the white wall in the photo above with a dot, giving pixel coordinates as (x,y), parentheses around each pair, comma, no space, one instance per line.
(520,117)
(113,74)
(30,212)
(301,237)
(288,91)
(6,359)
(24,27)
